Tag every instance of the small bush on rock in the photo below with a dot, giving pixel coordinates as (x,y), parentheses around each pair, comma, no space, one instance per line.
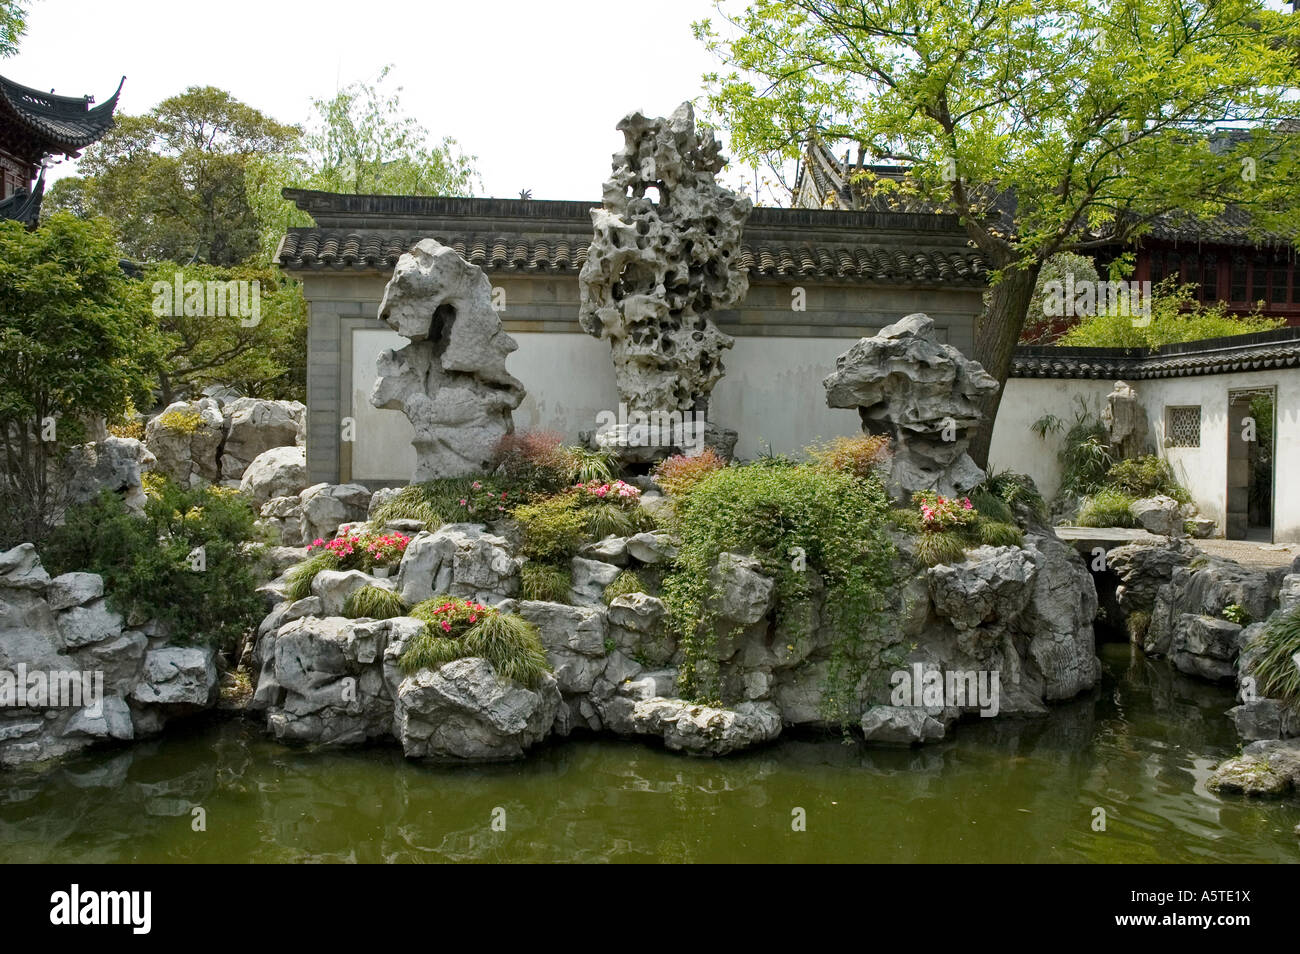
(457,629)
(1107,508)
(541,581)
(1016,490)
(1275,668)
(533,462)
(449,500)
(836,520)
(944,546)
(192,561)
(995,533)
(300,576)
(553,528)
(860,456)
(1146,477)
(373,602)
(678,474)
(625,584)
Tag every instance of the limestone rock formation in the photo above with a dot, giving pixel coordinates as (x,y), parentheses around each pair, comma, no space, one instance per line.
(115,463)
(1126,422)
(921,392)
(451,380)
(59,633)
(278,472)
(656,270)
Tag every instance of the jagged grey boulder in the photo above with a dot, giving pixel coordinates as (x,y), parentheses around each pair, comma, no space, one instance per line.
(655,271)
(1266,768)
(114,464)
(744,595)
(636,625)
(278,472)
(903,725)
(450,380)
(464,710)
(1126,422)
(458,559)
(74,589)
(653,546)
(1206,646)
(590,577)
(992,585)
(21,569)
(186,440)
(254,426)
(327,507)
(178,676)
(574,638)
(924,394)
(1159,514)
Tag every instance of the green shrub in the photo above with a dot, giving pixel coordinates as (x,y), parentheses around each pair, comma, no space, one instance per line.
(584,465)
(860,455)
(1146,477)
(1107,508)
(149,563)
(374,602)
(837,521)
(996,533)
(300,576)
(604,520)
(456,629)
(1016,490)
(678,474)
(624,584)
(449,500)
(906,519)
(553,527)
(1275,668)
(1236,613)
(511,644)
(1085,456)
(991,506)
(945,546)
(542,581)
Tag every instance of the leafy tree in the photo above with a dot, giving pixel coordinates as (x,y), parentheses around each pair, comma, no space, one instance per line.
(77,343)
(174,180)
(13,24)
(1046,127)
(358,141)
(258,346)
(1041,328)
(1175,316)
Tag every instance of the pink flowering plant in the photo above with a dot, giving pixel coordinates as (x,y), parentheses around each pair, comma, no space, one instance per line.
(600,491)
(482,503)
(451,617)
(386,549)
(359,550)
(939,513)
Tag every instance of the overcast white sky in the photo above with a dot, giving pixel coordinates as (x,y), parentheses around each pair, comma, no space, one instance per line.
(532,88)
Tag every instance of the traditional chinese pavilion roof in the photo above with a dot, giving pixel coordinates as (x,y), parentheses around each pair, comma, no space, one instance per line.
(61,124)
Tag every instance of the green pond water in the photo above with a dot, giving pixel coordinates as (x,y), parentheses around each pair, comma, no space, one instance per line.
(1141,747)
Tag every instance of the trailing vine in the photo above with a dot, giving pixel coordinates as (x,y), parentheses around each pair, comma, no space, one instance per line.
(802,522)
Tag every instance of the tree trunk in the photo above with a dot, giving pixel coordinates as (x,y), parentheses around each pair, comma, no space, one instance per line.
(996,334)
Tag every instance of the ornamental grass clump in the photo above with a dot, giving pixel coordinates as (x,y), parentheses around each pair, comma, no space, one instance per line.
(555,527)
(1146,476)
(946,527)
(544,582)
(299,577)
(374,602)
(450,500)
(1277,667)
(459,628)
(793,519)
(625,584)
(1107,508)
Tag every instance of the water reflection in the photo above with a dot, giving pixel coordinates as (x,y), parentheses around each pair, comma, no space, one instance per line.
(1140,747)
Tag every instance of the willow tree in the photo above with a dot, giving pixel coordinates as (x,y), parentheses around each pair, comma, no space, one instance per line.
(1045,126)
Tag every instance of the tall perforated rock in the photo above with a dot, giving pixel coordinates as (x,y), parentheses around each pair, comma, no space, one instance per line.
(451,380)
(921,392)
(656,270)
(1126,422)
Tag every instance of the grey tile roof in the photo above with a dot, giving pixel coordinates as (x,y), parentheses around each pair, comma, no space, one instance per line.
(338,249)
(1262,351)
(372,232)
(66,121)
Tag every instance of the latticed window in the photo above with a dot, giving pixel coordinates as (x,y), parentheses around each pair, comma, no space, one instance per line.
(1183,426)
